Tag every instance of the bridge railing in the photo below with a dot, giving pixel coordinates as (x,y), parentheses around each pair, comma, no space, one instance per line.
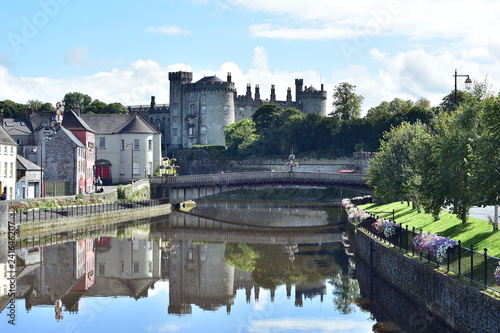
(265,176)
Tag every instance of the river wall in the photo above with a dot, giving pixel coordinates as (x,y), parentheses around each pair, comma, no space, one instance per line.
(200,162)
(457,305)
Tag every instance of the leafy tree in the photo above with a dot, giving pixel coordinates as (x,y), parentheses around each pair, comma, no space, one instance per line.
(76,100)
(47,107)
(34,104)
(392,173)
(240,135)
(241,256)
(115,108)
(12,109)
(96,107)
(346,103)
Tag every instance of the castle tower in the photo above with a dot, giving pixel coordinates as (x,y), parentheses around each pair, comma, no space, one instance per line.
(298,89)
(312,100)
(178,80)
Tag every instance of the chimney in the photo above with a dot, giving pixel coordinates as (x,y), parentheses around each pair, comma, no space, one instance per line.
(273,94)
(228,77)
(249,91)
(153,103)
(289,95)
(257,92)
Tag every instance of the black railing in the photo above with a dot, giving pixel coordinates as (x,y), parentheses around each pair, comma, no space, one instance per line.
(37,215)
(476,266)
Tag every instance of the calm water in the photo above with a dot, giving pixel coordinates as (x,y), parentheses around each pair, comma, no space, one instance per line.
(225,266)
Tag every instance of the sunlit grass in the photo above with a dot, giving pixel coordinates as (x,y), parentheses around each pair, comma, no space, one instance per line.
(475,231)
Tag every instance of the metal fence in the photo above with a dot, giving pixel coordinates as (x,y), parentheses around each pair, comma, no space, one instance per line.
(472,264)
(36,215)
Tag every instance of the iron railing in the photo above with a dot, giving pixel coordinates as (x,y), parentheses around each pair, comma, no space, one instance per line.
(36,215)
(475,265)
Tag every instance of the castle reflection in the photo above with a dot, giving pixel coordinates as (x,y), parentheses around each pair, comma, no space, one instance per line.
(206,274)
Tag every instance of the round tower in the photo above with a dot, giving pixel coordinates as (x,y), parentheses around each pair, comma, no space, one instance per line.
(312,100)
(178,80)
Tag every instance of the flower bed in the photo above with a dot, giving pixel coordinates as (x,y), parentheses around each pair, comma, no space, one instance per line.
(433,244)
(385,226)
(51,204)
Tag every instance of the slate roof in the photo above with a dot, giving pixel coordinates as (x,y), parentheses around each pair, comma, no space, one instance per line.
(5,138)
(71,136)
(75,123)
(210,79)
(25,164)
(119,123)
(17,126)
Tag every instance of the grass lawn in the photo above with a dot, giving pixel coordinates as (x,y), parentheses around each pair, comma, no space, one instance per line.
(475,231)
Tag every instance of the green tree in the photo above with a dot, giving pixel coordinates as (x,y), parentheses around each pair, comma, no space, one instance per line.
(76,100)
(47,107)
(12,109)
(115,108)
(240,135)
(392,173)
(346,103)
(96,107)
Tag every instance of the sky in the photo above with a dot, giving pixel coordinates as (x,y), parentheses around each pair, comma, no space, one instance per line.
(122,51)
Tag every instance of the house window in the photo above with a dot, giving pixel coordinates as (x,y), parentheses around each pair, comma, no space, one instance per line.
(5,169)
(102,142)
(136,267)
(122,168)
(11,169)
(5,150)
(102,268)
(150,145)
(136,144)
(11,151)
(123,144)
(136,167)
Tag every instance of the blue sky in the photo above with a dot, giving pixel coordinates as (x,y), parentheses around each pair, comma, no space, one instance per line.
(122,51)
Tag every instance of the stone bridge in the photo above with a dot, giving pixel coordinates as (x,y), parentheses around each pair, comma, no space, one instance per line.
(182,188)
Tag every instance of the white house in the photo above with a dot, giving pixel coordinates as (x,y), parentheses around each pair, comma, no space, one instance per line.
(128,146)
(8,156)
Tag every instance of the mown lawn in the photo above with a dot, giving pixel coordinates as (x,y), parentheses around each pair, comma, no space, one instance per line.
(475,231)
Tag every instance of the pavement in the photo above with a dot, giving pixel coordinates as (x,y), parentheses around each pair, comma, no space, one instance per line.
(483,213)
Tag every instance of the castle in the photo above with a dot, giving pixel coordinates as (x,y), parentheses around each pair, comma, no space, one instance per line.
(199,112)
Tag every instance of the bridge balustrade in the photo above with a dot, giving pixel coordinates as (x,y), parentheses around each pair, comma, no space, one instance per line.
(266,177)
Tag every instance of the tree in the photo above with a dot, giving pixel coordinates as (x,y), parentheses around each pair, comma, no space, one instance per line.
(240,135)
(12,109)
(96,107)
(76,100)
(392,173)
(115,108)
(346,103)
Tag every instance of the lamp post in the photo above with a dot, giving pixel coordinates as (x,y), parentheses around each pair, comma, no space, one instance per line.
(131,161)
(468,83)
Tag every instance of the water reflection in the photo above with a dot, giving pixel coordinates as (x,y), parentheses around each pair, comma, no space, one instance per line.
(208,265)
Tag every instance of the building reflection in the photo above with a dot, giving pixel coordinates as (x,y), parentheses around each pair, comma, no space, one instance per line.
(129,264)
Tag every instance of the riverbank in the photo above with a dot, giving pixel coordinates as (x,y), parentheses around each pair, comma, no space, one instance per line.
(476,231)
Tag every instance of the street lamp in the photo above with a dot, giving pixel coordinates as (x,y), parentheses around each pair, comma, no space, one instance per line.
(468,83)
(131,161)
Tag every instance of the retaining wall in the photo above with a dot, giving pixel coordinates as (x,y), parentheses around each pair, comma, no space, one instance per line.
(460,306)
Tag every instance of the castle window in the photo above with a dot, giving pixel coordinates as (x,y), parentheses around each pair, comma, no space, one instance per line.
(226,108)
(174,131)
(175,119)
(191,131)
(242,111)
(203,109)
(203,97)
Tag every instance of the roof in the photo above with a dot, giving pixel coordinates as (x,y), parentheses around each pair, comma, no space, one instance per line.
(23,163)
(17,126)
(5,137)
(105,123)
(73,122)
(40,119)
(71,136)
(137,124)
(311,88)
(209,79)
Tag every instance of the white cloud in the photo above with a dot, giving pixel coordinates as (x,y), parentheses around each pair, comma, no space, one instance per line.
(77,57)
(337,324)
(167,30)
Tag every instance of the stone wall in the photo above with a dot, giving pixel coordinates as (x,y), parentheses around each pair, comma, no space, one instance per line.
(458,305)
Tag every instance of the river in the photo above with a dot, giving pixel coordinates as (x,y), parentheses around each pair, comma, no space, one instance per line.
(225,266)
